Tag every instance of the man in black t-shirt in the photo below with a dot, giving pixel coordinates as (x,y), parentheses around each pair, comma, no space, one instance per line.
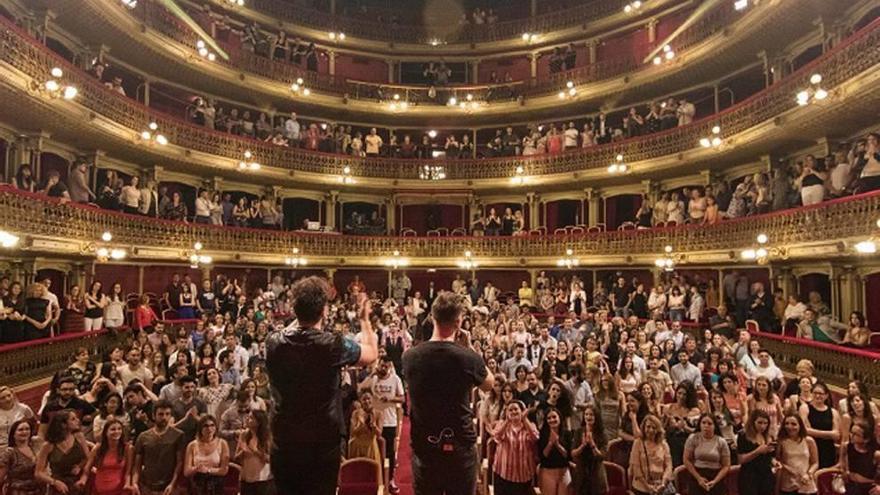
(441,373)
(65,398)
(304,365)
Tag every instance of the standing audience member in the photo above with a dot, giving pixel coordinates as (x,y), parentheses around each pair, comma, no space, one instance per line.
(517,438)
(798,458)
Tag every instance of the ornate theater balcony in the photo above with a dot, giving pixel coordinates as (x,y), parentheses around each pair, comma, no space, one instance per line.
(823,231)
(770,120)
(158,43)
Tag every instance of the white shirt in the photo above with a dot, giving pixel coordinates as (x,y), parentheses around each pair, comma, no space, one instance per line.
(203,207)
(126,374)
(570,138)
(795,312)
(291,129)
(388,388)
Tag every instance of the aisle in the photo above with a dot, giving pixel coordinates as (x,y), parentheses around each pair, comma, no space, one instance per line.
(404,458)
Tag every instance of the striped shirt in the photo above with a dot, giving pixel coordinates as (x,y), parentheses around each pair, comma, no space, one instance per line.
(516,456)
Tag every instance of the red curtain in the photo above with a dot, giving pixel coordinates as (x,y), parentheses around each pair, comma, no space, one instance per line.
(872,309)
(622,208)
(422,218)
(519,68)
(361,68)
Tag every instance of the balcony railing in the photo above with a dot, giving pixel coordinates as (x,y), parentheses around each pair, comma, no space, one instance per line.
(852,57)
(848,218)
(585,12)
(158,18)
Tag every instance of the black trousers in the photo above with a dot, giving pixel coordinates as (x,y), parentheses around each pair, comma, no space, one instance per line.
(438,473)
(306,468)
(389,433)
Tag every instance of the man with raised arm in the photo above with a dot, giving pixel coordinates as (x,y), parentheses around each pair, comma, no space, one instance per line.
(441,375)
(304,362)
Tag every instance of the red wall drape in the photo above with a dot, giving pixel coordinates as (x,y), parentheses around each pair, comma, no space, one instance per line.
(361,68)
(622,208)
(125,275)
(519,68)
(420,217)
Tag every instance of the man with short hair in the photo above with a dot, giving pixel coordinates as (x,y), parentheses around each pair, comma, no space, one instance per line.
(373,143)
(766,368)
(65,398)
(153,472)
(172,391)
(509,366)
(387,389)
(684,371)
(54,306)
(139,408)
(134,369)
(304,363)
(292,131)
(188,409)
(441,375)
(232,421)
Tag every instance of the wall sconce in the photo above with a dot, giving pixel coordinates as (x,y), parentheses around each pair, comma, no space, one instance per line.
(569,92)
(203,51)
(248,163)
(668,55)
(151,136)
(632,7)
(669,259)
(346,177)
(468,263)
(814,93)
(519,178)
(761,252)
(299,87)
(396,261)
(568,261)
(713,141)
(54,86)
(618,167)
(296,260)
(8,240)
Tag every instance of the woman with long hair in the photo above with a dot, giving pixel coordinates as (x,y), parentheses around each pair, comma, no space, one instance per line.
(109,409)
(207,459)
(734,397)
(707,459)
(252,452)
(756,450)
(803,396)
(654,402)
(554,452)
(610,403)
(366,427)
(37,317)
(557,397)
(516,454)
(109,461)
(18,461)
(82,369)
(724,419)
(762,398)
(859,411)
(859,460)
(72,320)
(24,178)
(213,392)
(650,463)
(680,419)
(187,303)
(490,405)
(114,311)
(61,459)
(95,302)
(798,458)
(823,424)
(589,457)
(635,410)
(627,377)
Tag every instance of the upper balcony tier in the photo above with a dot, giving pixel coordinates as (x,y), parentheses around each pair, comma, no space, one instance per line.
(772,120)
(419,27)
(823,231)
(157,44)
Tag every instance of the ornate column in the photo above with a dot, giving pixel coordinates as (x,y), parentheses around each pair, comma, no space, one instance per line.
(330,272)
(533,63)
(330,200)
(331,56)
(846,278)
(652,30)
(533,200)
(783,279)
(593,50)
(146,92)
(593,200)
(390,215)
(391,65)
(475,71)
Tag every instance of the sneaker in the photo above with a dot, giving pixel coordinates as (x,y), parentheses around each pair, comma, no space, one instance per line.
(393,488)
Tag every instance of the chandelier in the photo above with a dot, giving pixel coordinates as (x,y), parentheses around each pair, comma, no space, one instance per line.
(299,87)
(151,136)
(618,167)
(569,92)
(518,178)
(668,55)
(202,49)
(714,140)
(105,252)
(669,259)
(248,163)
